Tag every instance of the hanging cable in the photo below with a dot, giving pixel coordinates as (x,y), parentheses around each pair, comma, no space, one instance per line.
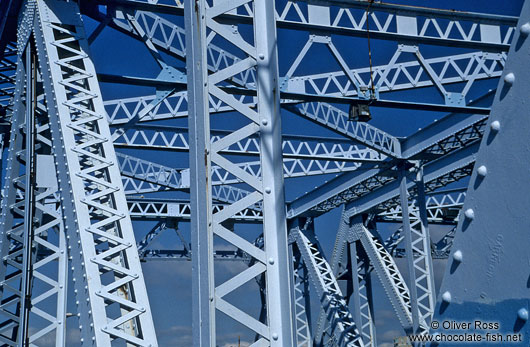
(372,87)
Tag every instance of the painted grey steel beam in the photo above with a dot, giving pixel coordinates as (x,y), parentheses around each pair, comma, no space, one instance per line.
(34,249)
(7,78)
(459,159)
(102,211)
(327,23)
(481,269)
(442,206)
(293,147)
(30,191)
(338,264)
(398,76)
(481,71)
(203,285)
(456,136)
(161,209)
(479,65)
(423,264)
(403,193)
(344,329)
(278,276)
(267,187)
(13,210)
(391,279)
(359,296)
(337,120)
(301,299)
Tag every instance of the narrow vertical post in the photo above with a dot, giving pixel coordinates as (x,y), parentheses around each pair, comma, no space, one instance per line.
(370,299)
(408,250)
(29,203)
(426,239)
(356,297)
(278,276)
(2,144)
(200,185)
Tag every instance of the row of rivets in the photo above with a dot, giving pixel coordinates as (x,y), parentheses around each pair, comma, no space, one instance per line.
(482,171)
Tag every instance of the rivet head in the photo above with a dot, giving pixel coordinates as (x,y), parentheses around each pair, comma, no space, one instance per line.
(469,213)
(509,78)
(522,314)
(267,190)
(264,122)
(261,56)
(271,261)
(275,336)
(446,297)
(495,126)
(482,171)
(458,256)
(525,29)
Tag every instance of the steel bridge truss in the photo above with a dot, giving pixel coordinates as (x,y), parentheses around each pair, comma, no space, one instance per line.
(80,172)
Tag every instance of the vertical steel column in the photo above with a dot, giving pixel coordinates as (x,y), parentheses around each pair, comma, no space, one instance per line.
(429,295)
(34,254)
(420,244)
(338,263)
(2,145)
(200,182)
(408,249)
(11,220)
(266,185)
(356,298)
(359,270)
(48,239)
(302,303)
(29,203)
(343,330)
(111,293)
(274,216)
(490,251)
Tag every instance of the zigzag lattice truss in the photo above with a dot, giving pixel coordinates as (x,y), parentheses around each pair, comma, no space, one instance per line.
(247,128)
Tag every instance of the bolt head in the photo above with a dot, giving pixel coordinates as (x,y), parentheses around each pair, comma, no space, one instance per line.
(446,297)
(522,314)
(495,126)
(469,213)
(525,29)
(458,256)
(482,171)
(509,78)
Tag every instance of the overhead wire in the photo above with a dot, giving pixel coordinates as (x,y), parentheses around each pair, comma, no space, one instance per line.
(372,87)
